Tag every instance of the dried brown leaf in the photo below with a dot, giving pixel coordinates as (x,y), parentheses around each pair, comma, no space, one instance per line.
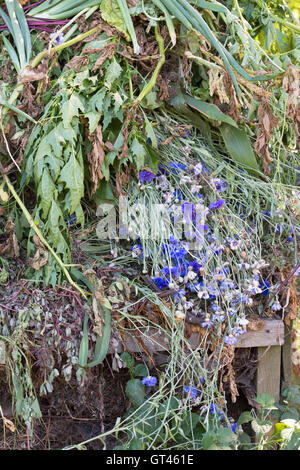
(107,52)
(96,156)
(40,258)
(255,324)
(10,247)
(266,123)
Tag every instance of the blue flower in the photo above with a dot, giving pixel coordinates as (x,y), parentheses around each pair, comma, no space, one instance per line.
(146,176)
(175,271)
(178,294)
(160,282)
(265,286)
(176,166)
(219,185)
(230,339)
(71,220)
(217,204)
(214,410)
(191,391)
(150,381)
(60,38)
(234,427)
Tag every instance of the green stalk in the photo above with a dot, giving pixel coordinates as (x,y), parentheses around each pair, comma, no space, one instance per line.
(168,19)
(59,48)
(40,235)
(150,85)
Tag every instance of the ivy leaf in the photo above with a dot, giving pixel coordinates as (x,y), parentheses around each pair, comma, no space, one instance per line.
(72,176)
(70,109)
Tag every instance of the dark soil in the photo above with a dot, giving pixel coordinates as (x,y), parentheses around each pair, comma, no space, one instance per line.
(71,415)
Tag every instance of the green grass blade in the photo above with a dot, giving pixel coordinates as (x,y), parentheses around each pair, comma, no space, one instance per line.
(174,10)
(44,6)
(200,25)
(18,37)
(217,7)
(168,19)
(7,21)
(129,25)
(16,110)
(24,28)
(12,53)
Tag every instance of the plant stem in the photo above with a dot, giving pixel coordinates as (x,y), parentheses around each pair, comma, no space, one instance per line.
(150,85)
(39,233)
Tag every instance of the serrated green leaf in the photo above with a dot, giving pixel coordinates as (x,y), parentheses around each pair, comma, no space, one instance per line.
(72,175)
(46,191)
(70,109)
(140,153)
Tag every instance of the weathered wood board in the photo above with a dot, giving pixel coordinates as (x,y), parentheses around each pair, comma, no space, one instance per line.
(271,334)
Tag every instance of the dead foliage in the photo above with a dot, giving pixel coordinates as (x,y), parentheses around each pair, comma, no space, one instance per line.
(295,354)
(96,156)
(41,255)
(290,83)
(227,373)
(10,247)
(266,123)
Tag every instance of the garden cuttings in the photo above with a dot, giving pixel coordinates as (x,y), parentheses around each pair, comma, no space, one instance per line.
(149,194)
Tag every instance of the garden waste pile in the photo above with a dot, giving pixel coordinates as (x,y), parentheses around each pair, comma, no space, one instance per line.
(149,182)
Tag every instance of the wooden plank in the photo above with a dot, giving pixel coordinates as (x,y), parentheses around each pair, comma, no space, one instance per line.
(268,371)
(2,353)
(271,334)
(287,368)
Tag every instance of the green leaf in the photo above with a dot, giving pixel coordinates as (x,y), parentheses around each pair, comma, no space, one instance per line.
(46,190)
(111,13)
(128,359)
(113,72)
(72,176)
(239,147)
(84,345)
(135,391)
(140,370)
(70,109)
(102,343)
(209,110)
(140,152)
(265,400)
(245,417)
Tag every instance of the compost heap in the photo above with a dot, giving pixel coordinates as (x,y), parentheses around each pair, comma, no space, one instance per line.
(148,158)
